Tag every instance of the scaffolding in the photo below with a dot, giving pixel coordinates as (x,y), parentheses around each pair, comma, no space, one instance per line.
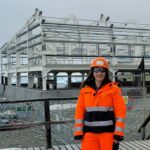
(47,45)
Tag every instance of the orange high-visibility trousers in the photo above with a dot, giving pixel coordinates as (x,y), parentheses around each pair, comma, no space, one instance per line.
(97,141)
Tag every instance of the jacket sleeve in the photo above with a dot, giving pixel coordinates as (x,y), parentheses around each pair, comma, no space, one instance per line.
(119,112)
(79,115)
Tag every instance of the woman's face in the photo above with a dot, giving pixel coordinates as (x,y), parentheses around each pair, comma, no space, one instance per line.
(99,74)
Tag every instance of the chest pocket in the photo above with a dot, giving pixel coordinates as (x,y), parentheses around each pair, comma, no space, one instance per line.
(106,99)
(88,97)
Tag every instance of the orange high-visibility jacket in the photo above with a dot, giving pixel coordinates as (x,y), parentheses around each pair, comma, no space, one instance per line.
(100,111)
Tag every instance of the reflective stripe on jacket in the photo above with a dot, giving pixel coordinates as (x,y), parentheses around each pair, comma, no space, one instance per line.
(101,111)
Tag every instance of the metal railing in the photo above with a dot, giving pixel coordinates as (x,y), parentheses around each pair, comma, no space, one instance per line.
(53,129)
(142,128)
(47,117)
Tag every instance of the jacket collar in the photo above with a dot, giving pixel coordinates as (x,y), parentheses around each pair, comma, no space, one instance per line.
(103,88)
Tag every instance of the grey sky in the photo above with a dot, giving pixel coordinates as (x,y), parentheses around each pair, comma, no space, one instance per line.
(14,13)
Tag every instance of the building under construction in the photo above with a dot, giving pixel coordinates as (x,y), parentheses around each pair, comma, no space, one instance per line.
(46,47)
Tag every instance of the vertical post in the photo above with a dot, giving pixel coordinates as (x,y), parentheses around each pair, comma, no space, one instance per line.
(143,83)
(48,127)
(144,88)
(55,80)
(69,79)
(1,70)
(143,77)
(143,133)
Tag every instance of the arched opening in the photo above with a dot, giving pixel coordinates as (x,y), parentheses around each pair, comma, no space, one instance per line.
(62,80)
(76,79)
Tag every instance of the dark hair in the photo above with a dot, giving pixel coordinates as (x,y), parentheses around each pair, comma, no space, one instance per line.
(90,80)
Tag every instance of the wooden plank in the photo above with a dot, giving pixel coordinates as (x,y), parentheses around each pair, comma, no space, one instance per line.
(75,147)
(68,147)
(78,145)
(146,143)
(133,145)
(136,145)
(56,148)
(121,147)
(142,145)
(62,147)
(124,146)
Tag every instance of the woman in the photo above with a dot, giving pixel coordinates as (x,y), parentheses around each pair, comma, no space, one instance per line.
(100,110)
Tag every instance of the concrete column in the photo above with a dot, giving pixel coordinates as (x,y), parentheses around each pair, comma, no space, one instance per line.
(138,79)
(9,78)
(8,66)
(29,49)
(44,60)
(18,79)
(39,76)
(113,76)
(83,74)
(55,80)
(30,80)
(17,59)
(6,80)
(44,78)
(69,79)
(116,76)
(44,74)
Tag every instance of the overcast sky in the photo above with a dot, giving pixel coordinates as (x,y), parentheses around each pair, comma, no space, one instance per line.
(14,13)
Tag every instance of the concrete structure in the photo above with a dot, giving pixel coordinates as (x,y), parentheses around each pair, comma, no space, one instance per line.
(45,47)
(17,93)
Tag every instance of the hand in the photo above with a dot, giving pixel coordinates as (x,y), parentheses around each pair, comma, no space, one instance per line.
(118,138)
(78,137)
